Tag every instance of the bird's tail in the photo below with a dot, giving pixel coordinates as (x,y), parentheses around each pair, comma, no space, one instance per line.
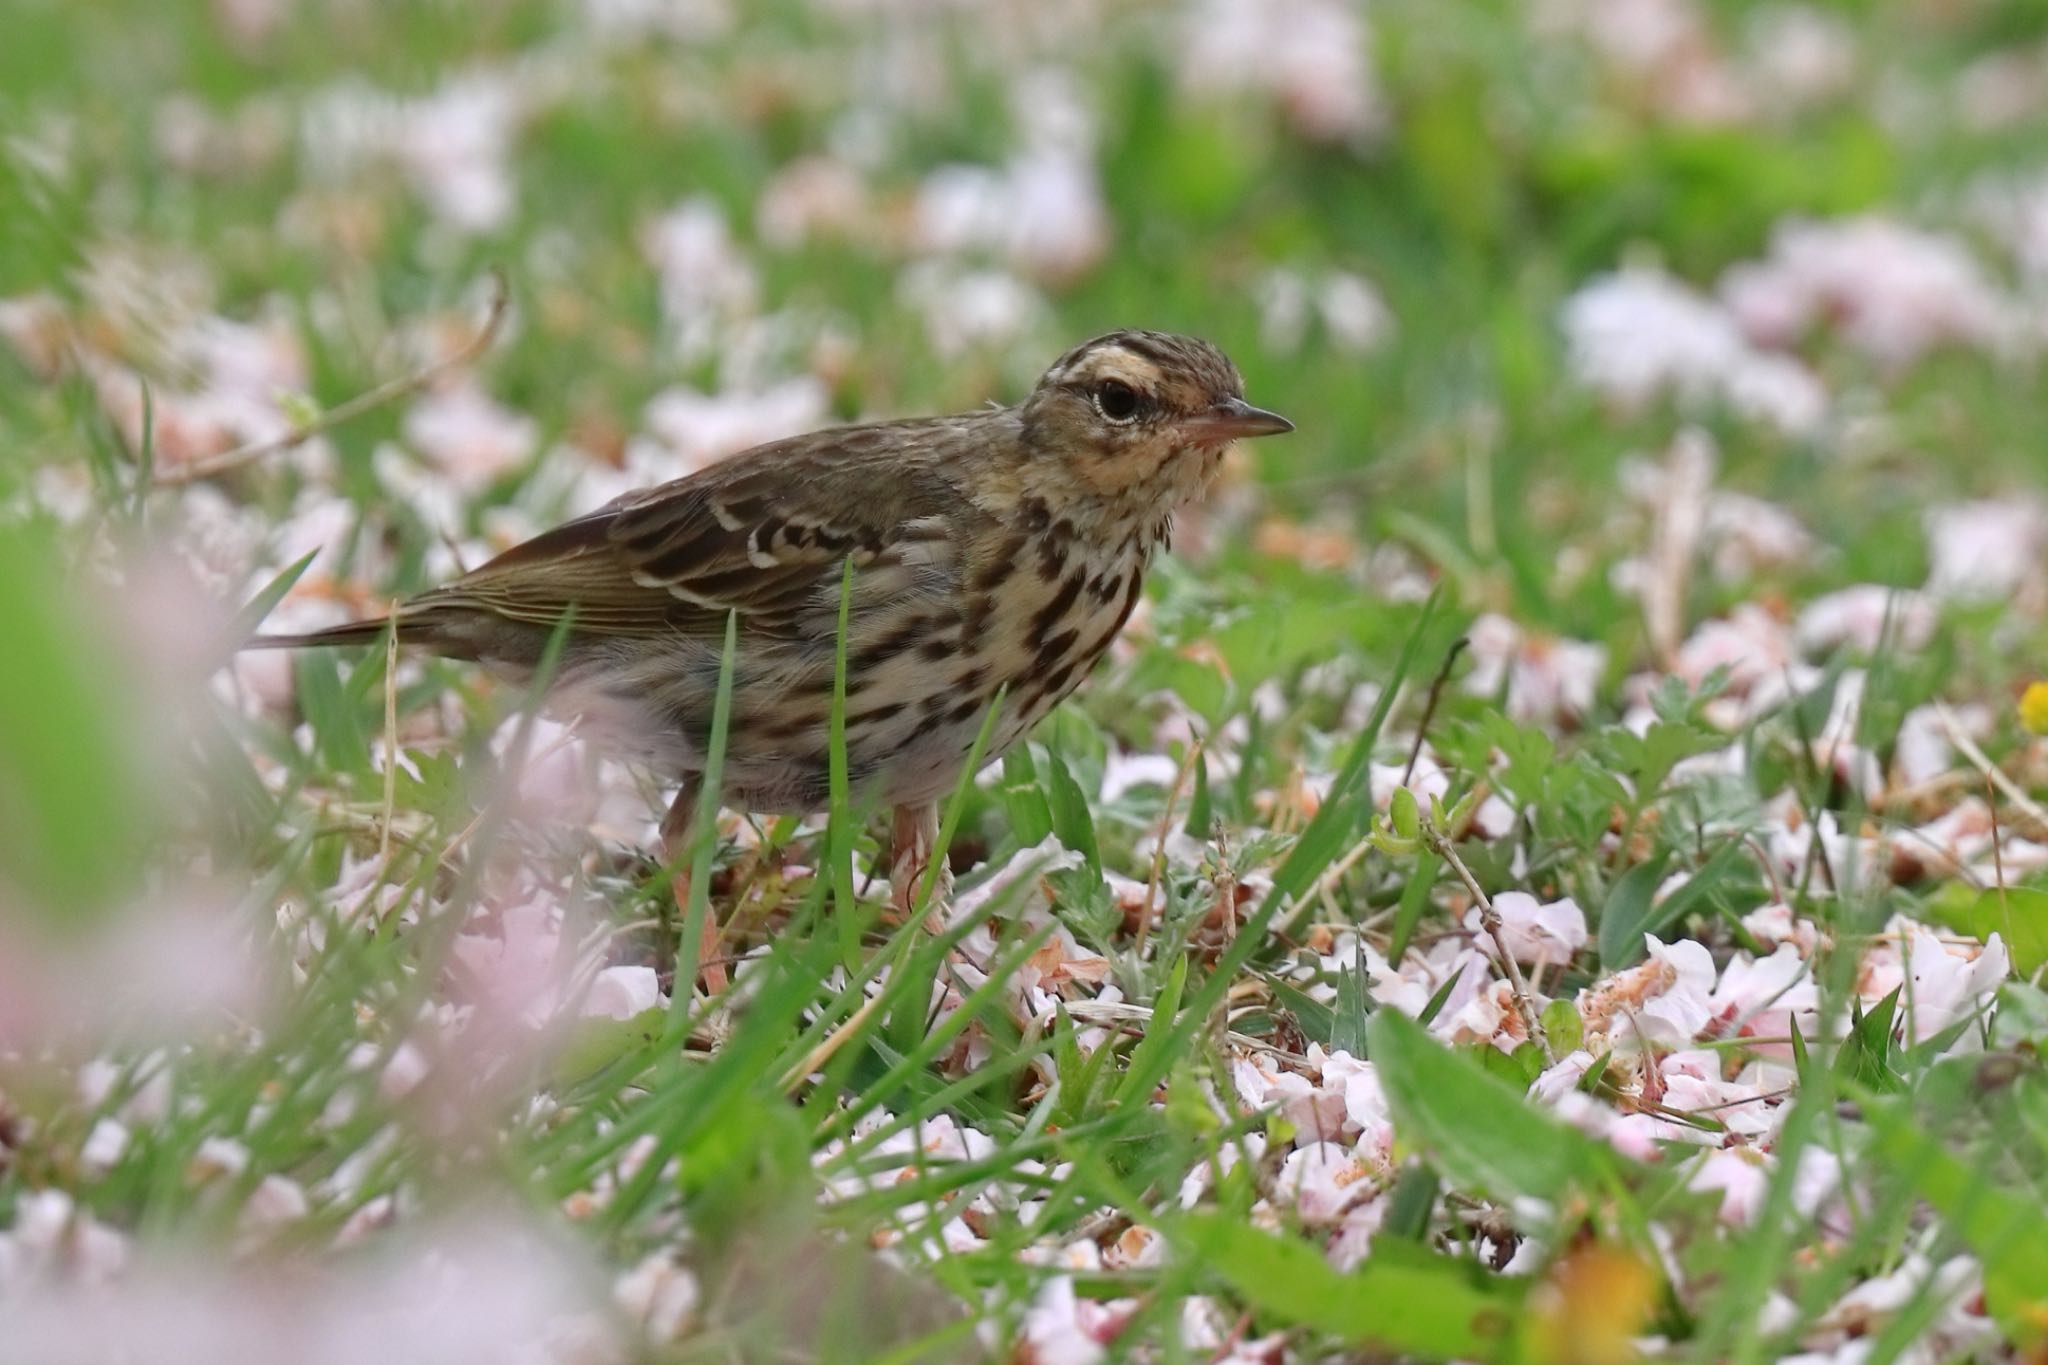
(430,623)
(349,633)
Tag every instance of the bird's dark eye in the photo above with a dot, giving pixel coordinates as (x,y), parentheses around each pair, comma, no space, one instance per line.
(1116,400)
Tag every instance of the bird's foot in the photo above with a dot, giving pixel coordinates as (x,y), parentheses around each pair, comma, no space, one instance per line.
(711,972)
(915,832)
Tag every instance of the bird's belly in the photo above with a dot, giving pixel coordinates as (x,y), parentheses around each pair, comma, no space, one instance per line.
(1038,637)
(922,674)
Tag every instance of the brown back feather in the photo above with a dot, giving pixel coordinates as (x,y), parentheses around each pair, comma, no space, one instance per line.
(759,534)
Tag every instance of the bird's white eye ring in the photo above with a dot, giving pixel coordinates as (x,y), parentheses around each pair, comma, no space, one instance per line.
(1116,400)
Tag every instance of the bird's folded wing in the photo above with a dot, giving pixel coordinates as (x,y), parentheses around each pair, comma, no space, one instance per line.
(678,558)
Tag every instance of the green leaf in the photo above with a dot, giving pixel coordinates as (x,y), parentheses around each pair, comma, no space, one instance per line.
(1147,1058)
(594,1043)
(1412,1201)
(1564,1026)
(2021,1018)
(1481,1129)
(1403,1299)
(1404,815)
(264,602)
(1084,903)
(437,790)
(1518,1068)
(1628,912)
(1868,1055)
(1079,1076)
(1071,819)
(1529,756)
(1317,1021)
(1347,1022)
(1802,1063)
(145,452)
(339,732)
(1414,902)
(2018,915)
(1647,759)
(1434,1006)
(1024,799)
(1188,1108)
(2007,1233)
(1625,919)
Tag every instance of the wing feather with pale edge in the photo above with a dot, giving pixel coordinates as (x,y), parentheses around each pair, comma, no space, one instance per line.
(756,535)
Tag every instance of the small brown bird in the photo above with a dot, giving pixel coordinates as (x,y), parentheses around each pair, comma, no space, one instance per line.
(1000,549)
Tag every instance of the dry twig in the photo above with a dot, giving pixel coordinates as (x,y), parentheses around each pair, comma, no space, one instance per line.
(230,460)
(1996,775)
(1489,920)
(1436,692)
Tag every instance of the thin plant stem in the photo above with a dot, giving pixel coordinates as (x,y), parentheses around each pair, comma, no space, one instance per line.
(390,736)
(1158,869)
(368,401)
(1489,920)
(1436,692)
(1993,774)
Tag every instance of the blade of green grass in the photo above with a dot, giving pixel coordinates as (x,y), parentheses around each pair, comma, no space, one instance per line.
(839,807)
(1482,1130)
(1402,1299)
(704,838)
(1328,833)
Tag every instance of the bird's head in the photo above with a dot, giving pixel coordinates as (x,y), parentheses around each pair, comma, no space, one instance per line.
(1142,415)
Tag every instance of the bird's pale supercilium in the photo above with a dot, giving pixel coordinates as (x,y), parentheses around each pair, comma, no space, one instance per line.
(998,550)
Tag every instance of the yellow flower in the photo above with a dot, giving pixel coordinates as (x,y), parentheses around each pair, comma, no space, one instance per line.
(1590,1308)
(2034,708)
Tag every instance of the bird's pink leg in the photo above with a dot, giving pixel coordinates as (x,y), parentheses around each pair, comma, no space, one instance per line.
(914,832)
(677,828)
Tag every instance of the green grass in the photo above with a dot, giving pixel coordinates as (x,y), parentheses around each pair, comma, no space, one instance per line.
(775,1147)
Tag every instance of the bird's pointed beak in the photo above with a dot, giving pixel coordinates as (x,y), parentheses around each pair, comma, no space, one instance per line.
(1233,418)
